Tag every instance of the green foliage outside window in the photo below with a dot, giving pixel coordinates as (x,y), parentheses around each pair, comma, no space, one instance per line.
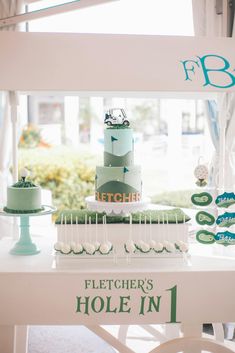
(67,173)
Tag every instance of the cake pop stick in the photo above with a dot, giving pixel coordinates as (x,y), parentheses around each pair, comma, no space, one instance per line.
(61,234)
(65,229)
(96,227)
(167,229)
(150,227)
(89,233)
(145,228)
(77,230)
(71,223)
(85,240)
(130,228)
(177,228)
(140,221)
(103,235)
(97,243)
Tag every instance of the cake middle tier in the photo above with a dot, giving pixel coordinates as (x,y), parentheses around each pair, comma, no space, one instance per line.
(118,184)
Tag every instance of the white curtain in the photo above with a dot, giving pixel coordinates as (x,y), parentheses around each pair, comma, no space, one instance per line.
(220,115)
(7,8)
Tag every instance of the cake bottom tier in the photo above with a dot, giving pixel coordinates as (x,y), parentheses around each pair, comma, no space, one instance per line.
(118,184)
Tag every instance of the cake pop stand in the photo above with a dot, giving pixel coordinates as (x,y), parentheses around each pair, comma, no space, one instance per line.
(25,245)
(116,208)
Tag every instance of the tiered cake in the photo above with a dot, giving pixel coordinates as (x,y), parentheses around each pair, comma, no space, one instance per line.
(119,180)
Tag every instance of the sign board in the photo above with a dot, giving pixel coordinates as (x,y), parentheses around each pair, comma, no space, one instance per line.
(114,63)
(120,297)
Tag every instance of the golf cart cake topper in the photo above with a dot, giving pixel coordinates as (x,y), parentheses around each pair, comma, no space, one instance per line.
(116,117)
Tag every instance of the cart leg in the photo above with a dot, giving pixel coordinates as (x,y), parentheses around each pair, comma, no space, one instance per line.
(7,336)
(193,330)
(21,339)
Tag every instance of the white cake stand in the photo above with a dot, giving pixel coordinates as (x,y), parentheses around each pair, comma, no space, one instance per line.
(24,245)
(116,208)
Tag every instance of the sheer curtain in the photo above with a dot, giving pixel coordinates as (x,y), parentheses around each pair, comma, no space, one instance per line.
(209,21)
(7,8)
(221,114)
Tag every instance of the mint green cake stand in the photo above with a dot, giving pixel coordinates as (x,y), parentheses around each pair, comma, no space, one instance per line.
(25,246)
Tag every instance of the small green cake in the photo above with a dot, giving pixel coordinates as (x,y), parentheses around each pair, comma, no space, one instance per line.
(23,197)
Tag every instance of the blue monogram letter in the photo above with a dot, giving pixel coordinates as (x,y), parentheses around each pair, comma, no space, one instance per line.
(222,70)
(191,68)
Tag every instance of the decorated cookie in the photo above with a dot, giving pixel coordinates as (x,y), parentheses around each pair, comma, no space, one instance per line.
(225,200)
(226,220)
(202,199)
(205,237)
(205,218)
(225,238)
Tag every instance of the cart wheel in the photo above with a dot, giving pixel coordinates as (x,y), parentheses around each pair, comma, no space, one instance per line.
(126,123)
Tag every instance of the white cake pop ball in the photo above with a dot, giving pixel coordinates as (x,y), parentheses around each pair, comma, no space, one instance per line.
(96,245)
(184,247)
(72,245)
(130,247)
(152,244)
(145,247)
(110,245)
(104,248)
(139,243)
(65,248)
(24,173)
(158,247)
(165,243)
(90,249)
(86,247)
(170,247)
(178,243)
(77,248)
(58,245)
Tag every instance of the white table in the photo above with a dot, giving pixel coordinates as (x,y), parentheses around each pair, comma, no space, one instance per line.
(34,292)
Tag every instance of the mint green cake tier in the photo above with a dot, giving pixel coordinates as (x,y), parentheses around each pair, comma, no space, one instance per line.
(23,200)
(125,181)
(110,160)
(119,142)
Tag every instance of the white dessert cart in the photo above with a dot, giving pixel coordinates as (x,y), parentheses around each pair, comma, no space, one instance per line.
(35,292)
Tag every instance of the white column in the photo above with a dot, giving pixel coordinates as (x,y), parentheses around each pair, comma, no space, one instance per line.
(71,115)
(171,111)
(97,126)
(13,100)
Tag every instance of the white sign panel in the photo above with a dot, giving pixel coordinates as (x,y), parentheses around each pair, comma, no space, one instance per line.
(116,298)
(97,62)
